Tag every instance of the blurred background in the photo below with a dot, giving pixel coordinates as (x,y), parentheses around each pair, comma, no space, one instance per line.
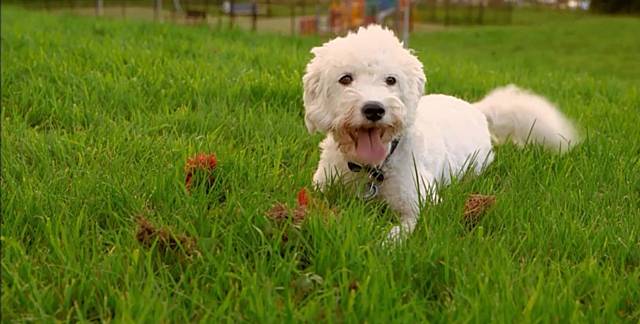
(305,17)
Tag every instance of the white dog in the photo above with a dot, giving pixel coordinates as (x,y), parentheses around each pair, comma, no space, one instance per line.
(365,91)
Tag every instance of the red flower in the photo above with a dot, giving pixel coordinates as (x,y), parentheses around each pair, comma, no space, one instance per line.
(303,198)
(202,161)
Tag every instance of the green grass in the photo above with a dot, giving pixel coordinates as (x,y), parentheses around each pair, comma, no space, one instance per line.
(99,116)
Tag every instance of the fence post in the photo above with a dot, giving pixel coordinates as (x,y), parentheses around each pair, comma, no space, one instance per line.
(405,27)
(232,13)
(157,11)
(254,15)
(434,16)
(220,12)
(317,17)
(293,18)
(99,7)
(446,12)
(398,14)
(206,12)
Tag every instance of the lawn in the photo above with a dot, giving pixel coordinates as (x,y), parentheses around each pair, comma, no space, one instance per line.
(100,116)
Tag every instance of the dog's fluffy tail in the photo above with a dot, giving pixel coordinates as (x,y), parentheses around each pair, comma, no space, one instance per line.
(523,117)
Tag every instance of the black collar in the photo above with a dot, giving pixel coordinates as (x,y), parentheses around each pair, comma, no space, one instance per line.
(375,172)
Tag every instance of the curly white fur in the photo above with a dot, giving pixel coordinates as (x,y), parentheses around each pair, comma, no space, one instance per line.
(440,136)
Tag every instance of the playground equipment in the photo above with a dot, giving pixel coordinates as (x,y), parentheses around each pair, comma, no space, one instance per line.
(350,14)
(345,14)
(192,13)
(240,9)
(329,16)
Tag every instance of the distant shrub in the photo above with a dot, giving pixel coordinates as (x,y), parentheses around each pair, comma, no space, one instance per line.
(616,6)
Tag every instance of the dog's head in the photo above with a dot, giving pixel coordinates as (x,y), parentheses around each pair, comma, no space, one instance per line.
(364,89)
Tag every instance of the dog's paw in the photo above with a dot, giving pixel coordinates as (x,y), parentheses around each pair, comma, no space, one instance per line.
(435,198)
(396,235)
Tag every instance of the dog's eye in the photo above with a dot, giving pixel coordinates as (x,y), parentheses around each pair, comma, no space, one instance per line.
(346,79)
(390,80)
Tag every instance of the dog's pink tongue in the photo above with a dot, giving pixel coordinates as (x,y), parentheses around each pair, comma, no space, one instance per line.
(369,148)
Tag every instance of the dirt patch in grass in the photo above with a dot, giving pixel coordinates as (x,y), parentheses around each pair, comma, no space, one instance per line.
(475,207)
(148,234)
(281,213)
(305,203)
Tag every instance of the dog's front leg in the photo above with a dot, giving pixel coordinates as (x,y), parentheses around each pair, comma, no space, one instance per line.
(320,179)
(407,225)
(329,165)
(406,199)
(407,205)
(325,174)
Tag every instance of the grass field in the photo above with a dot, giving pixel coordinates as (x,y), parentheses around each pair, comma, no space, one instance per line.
(99,117)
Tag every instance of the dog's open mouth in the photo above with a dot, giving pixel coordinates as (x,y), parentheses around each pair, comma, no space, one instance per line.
(370,148)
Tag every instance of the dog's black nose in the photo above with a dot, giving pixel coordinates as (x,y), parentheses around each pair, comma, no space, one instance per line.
(373,110)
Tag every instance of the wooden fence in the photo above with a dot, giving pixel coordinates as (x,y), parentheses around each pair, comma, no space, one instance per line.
(288,16)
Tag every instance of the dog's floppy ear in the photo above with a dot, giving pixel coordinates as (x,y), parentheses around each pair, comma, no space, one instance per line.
(416,73)
(311,96)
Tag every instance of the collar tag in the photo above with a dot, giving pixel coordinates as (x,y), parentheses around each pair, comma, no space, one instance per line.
(370,191)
